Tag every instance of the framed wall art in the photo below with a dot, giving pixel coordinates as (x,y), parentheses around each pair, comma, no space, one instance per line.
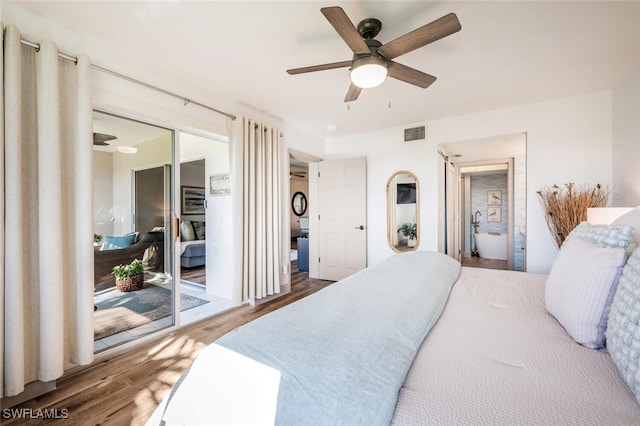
(494,214)
(220,184)
(192,200)
(494,198)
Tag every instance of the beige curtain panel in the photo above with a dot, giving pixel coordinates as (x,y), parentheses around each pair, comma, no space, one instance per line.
(47,264)
(256,188)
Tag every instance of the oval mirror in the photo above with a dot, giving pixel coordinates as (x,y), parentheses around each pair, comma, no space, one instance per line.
(299,203)
(403,211)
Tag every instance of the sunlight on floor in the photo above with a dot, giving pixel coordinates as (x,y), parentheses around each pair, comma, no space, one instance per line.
(215,306)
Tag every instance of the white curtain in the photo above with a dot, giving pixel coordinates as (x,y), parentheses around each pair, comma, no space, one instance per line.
(256,181)
(47,276)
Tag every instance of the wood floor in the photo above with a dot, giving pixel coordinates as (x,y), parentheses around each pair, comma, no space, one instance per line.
(478,262)
(196,275)
(125,390)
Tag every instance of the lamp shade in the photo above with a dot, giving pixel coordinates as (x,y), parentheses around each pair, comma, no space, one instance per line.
(605,215)
(368,71)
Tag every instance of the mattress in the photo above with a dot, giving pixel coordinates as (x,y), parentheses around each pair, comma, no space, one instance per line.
(497,357)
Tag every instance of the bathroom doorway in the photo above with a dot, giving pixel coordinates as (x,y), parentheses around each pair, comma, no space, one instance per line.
(486,196)
(487,213)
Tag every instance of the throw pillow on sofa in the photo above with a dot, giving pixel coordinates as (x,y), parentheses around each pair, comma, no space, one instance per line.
(119,242)
(186,231)
(199,228)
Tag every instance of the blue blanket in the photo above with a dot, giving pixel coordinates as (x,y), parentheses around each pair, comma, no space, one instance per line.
(343,352)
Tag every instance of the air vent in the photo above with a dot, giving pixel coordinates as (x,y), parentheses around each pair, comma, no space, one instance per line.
(415,134)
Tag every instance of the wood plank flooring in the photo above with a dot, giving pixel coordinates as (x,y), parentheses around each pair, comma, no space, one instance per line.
(478,262)
(125,390)
(196,275)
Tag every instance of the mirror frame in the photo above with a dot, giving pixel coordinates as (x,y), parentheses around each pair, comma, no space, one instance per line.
(393,204)
(303,204)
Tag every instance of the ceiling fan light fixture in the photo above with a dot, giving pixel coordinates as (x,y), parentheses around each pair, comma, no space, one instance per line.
(127,149)
(368,71)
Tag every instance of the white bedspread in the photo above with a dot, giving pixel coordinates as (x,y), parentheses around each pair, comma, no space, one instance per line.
(497,357)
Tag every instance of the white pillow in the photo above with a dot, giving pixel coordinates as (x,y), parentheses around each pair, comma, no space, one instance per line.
(186,231)
(631,218)
(580,288)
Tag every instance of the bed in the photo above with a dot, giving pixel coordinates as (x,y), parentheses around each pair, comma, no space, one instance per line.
(192,244)
(192,253)
(417,339)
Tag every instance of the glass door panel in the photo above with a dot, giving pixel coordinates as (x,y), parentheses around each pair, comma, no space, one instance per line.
(132,185)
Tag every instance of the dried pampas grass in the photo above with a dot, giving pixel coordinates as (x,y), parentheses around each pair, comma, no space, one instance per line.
(566,208)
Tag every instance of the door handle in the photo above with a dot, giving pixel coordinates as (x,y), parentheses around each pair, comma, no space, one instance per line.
(176,227)
(361,227)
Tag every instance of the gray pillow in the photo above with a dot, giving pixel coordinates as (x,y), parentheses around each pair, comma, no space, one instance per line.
(623,332)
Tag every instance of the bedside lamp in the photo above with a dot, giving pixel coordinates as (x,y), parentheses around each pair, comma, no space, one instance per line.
(605,215)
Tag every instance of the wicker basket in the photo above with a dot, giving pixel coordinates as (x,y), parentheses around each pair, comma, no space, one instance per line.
(130,284)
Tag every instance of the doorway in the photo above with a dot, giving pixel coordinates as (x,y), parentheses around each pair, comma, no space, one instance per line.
(299,212)
(485,195)
(132,187)
(193,233)
(203,247)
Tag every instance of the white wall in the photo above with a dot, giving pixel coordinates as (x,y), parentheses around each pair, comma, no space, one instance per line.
(626,142)
(568,140)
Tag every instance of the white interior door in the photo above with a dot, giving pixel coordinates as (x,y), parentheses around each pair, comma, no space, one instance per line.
(342,224)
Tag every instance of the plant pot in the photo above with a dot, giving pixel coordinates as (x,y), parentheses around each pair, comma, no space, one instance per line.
(130,284)
(411,242)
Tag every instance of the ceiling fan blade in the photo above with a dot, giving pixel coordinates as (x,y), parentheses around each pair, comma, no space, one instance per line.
(410,75)
(343,25)
(101,139)
(422,36)
(320,67)
(352,93)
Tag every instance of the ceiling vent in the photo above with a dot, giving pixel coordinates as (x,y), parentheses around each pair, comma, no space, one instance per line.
(415,134)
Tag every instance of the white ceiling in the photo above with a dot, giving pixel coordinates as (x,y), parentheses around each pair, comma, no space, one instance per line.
(227,54)
(127,132)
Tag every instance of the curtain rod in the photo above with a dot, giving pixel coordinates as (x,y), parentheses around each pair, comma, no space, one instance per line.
(133,80)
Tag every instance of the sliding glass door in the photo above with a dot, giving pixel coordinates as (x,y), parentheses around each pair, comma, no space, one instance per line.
(133,210)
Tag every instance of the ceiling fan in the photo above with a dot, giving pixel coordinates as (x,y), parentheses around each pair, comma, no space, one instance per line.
(100,139)
(373,61)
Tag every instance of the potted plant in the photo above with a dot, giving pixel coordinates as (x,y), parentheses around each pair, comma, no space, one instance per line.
(96,239)
(409,230)
(129,277)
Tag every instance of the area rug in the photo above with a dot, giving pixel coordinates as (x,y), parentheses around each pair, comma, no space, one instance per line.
(118,311)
